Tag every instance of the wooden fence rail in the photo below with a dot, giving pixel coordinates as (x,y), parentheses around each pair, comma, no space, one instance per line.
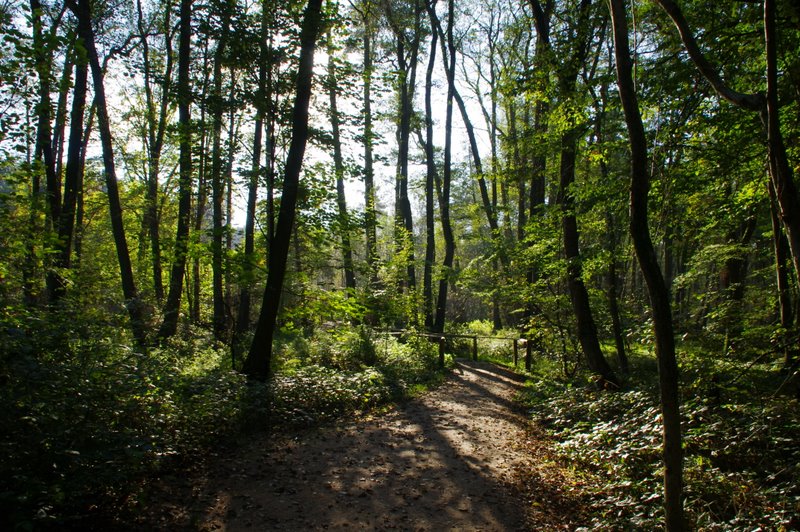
(441,339)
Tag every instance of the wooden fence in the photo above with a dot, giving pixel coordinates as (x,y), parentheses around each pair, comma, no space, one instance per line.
(441,340)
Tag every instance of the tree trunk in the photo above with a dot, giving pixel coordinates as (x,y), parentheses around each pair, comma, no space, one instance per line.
(338,163)
(82,12)
(257,364)
(370,205)
(587,329)
(430,180)
(156,131)
(659,295)
(444,206)
(404,224)
(72,179)
(43,153)
(172,306)
(781,248)
(217,184)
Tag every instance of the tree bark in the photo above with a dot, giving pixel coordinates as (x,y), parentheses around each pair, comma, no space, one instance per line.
(370,205)
(648,261)
(263,107)
(338,163)
(156,131)
(82,11)
(444,202)
(430,180)
(72,179)
(172,306)
(217,184)
(404,223)
(257,364)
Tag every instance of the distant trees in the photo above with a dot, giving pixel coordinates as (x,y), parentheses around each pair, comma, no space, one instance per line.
(510,207)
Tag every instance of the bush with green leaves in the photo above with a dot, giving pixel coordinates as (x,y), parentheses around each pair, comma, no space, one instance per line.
(86,417)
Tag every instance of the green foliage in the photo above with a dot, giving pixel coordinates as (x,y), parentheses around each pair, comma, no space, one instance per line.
(741,457)
(86,417)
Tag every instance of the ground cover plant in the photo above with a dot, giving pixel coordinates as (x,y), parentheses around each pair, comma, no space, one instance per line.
(741,444)
(87,419)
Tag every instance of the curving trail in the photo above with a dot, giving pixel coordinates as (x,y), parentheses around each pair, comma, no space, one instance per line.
(449,460)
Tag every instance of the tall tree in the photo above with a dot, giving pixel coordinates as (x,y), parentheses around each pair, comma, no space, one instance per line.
(263,105)
(257,364)
(172,306)
(338,167)
(407,53)
(72,178)
(83,13)
(217,183)
(430,178)
(156,128)
(648,261)
(567,73)
(444,203)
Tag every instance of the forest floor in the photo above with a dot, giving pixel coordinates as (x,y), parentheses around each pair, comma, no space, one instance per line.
(461,456)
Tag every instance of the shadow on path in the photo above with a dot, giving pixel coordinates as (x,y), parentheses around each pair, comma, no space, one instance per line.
(443,461)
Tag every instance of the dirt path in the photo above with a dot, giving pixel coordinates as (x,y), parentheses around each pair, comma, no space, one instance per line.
(448,460)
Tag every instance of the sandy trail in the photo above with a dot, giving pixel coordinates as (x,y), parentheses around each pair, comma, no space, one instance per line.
(447,460)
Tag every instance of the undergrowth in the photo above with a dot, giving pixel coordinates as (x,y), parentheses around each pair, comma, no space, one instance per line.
(741,444)
(86,418)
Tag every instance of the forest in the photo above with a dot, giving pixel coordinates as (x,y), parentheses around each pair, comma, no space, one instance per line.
(236,217)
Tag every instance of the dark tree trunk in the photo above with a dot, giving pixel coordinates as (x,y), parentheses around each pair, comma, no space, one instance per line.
(43,152)
(648,261)
(785,308)
(72,179)
(156,131)
(587,329)
(338,163)
(217,184)
(404,225)
(430,181)
(82,12)
(257,364)
(444,206)
(263,107)
(172,306)
(370,205)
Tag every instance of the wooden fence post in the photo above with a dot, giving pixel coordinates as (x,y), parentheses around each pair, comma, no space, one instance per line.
(475,348)
(516,352)
(442,346)
(528,350)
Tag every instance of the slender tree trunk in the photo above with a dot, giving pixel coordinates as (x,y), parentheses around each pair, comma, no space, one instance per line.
(338,163)
(83,14)
(43,153)
(217,184)
(781,248)
(172,307)
(263,106)
(72,179)
(648,261)
(430,180)
(257,364)
(370,205)
(233,135)
(156,131)
(404,225)
(444,206)
(587,329)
